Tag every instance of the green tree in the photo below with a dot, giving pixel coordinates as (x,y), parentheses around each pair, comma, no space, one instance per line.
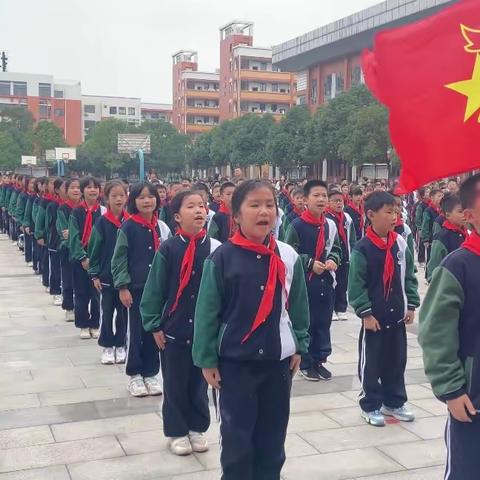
(47,136)
(17,122)
(10,151)
(200,153)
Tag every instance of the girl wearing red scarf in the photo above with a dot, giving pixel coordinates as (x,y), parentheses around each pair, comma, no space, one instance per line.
(73,197)
(138,238)
(428,219)
(25,217)
(168,308)
(251,324)
(87,302)
(100,252)
(222,226)
(383,290)
(354,207)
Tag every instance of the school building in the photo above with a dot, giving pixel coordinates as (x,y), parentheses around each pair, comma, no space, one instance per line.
(327,61)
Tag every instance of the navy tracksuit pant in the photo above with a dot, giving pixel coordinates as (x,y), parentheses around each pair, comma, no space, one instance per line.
(28,248)
(111,308)
(254,405)
(86,300)
(341,276)
(66,268)
(381,367)
(45,262)
(321,303)
(462,439)
(54,279)
(185,399)
(143,357)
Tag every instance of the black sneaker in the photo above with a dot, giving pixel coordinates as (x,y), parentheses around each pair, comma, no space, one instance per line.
(323,373)
(310,374)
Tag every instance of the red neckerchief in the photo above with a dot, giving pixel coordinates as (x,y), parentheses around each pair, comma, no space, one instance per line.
(434,207)
(152,225)
(389,267)
(298,211)
(455,228)
(276,271)
(340,218)
(70,204)
(399,222)
(346,198)
(187,262)
(87,227)
(114,220)
(57,200)
(47,196)
(472,243)
(232,226)
(307,217)
(360,211)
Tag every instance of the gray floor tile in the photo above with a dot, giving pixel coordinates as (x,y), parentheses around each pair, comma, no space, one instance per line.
(49,473)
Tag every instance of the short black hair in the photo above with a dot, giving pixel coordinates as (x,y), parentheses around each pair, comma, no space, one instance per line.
(245,188)
(356,191)
(177,201)
(296,191)
(434,191)
(58,182)
(449,202)
(377,200)
(225,185)
(468,191)
(135,192)
(86,181)
(200,186)
(334,192)
(307,188)
(421,192)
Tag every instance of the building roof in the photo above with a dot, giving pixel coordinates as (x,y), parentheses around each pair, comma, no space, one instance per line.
(156,106)
(351,34)
(200,75)
(250,51)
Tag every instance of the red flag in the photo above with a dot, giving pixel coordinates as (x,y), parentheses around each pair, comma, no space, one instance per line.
(428,75)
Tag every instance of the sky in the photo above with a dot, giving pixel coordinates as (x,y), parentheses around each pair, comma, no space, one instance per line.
(125,47)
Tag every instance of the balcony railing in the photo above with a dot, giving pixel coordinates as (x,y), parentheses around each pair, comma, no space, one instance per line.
(265,97)
(265,75)
(204,94)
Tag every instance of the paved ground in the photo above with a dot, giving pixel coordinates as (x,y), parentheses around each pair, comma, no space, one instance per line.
(64,416)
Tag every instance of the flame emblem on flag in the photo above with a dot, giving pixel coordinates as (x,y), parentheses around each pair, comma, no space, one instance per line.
(470,88)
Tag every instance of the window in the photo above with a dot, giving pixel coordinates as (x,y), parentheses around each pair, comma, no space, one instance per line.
(4,88)
(254,67)
(302,100)
(155,115)
(283,90)
(254,89)
(327,87)
(122,110)
(89,109)
(45,109)
(131,110)
(262,107)
(263,66)
(313,91)
(263,87)
(356,75)
(88,124)
(58,93)
(274,107)
(274,87)
(59,112)
(339,83)
(44,90)
(20,89)
(113,110)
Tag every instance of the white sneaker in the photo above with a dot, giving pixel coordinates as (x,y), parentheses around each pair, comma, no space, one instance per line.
(180,446)
(94,332)
(198,441)
(84,333)
(47,289)
(57,300)
(120,355)
(334,317)
(136,387)
(108,356)
(30,264)
(342,316)
(153,386)
(69,316)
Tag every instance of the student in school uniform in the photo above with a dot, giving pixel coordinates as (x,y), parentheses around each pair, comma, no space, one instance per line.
(401,227)
(251,326)
(347,239)
(100,252)
(138,239)
(298,201)
(428,220)
(53,240)
(421,205)
(222,226)
(22,202)
(315,238)
(448,335)
(452,234)
(40,230)
(216,202)
(81,221)
(165,213)
(73,196)
(383,290)
(355,209)
(168,308)
(27,222)
(36,248)
(203,191)
(12,205)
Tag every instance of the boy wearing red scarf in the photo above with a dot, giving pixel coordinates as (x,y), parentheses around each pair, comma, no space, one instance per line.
(298,201)
(354,207)
(383,290)
(222,226)
(168,308)
(449,338)
(347,238)
(315,238)
(429,216)
(452,234)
